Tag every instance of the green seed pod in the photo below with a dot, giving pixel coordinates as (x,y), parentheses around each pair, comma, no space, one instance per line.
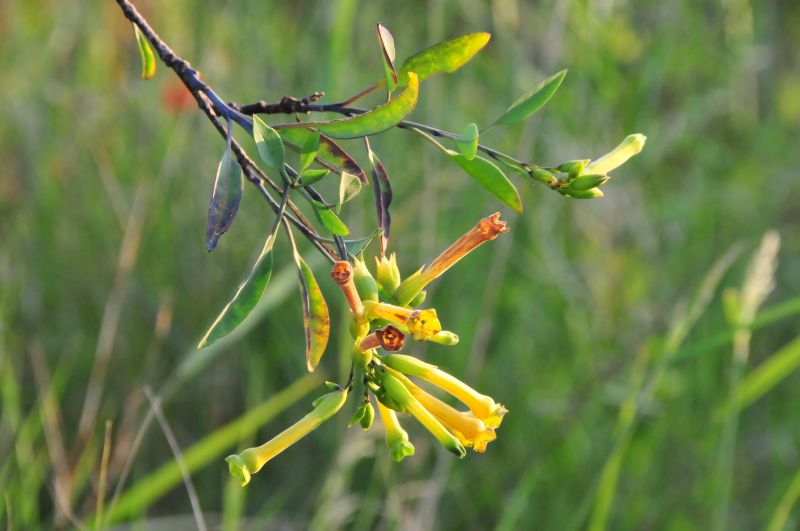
(368,416)
(365,283)
(586,182)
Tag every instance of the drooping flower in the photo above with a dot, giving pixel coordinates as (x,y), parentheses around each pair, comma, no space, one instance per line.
(250,461)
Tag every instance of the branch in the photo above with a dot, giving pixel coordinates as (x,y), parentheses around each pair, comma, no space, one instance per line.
(215,108)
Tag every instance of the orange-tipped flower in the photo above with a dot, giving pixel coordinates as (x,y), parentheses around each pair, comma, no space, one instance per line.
(486,229)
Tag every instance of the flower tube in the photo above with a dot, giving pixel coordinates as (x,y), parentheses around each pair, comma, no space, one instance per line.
(250,461)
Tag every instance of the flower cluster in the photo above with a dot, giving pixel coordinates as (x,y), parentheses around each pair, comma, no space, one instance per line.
(384,309)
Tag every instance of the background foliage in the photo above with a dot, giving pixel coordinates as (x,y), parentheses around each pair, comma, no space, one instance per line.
(567,320)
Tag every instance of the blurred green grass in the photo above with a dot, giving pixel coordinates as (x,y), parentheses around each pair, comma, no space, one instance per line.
(569,320)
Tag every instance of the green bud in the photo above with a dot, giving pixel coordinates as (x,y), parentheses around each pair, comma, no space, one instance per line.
(388,274)
(359,329)
(368,416)
(358,414)
(445,337)
(540,174)
(365,284)
(586,182)
(591,193)
(419,299)
(573,167)
(333,386)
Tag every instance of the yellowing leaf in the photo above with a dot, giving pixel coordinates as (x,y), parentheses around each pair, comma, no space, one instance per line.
(446,56)
(386,42)
(372,122)
(316,319)
(146,54)
(245,298)
(349,187)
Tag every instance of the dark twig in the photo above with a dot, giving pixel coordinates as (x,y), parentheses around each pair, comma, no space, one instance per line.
(215,109)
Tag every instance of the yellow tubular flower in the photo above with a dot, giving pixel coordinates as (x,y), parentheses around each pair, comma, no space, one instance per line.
(486,229)
(400,394)
(471,431)
(482,406)
(422,324)
(250,461)
(396,436)
(632,145)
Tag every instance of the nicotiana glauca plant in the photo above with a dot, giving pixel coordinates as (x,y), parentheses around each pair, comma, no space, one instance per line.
(385,307)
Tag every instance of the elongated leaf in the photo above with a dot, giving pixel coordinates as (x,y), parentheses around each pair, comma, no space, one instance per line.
(316,319)
(312,176)
(376,121)
(330,220)
(446,56)
(386,42)
(245,298)
(309,151)
(468,141)
(328,151)
(269,144)
(383,197)
(490,177)
(146,54)
(349,187)
(767,375)
(225,199)
(531,101)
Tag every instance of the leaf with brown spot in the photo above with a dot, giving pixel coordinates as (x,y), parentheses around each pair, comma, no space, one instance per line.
(316,319)
(328,151)
(383,196)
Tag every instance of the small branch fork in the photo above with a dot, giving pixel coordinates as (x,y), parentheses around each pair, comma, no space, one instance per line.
(215,110)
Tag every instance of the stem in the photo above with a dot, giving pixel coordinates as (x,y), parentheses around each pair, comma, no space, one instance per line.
(215,108)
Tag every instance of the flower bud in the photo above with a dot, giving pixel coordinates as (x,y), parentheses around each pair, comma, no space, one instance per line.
(591,193)
(573,167)
(388,274)
(586,182)
(632,145)
(445,337)
(365,283)
(542,175)
(368,416)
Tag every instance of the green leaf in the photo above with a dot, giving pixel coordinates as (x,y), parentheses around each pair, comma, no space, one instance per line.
(468,141)
(245,298)
(269,144)
(349,187)
(308,151)
(386,41)
(146,54)
(377,120)
(490,177)
(766,376)
(356,247)
(446,56)
(531,101)
(329,151)
(329,220)
(225,199)
(316,319)
(312,176)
